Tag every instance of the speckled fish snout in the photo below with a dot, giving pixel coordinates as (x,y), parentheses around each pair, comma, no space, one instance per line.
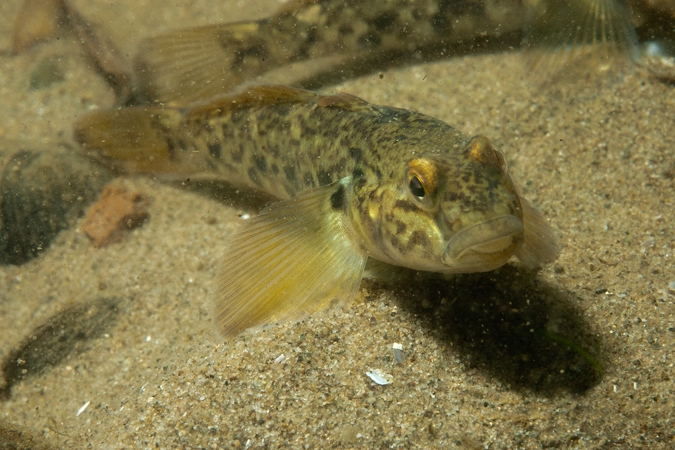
(489,241)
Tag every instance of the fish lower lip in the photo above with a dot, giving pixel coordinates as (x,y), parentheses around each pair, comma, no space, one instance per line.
(494,236)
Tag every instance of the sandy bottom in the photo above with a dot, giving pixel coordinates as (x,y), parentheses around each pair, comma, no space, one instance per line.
(491,361)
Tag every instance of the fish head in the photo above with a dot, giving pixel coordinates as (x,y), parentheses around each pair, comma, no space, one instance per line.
(453,212)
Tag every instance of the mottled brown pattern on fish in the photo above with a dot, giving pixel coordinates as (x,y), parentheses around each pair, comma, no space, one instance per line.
(237,144)
(355,25)
(285,141)
(189,65)
(391,185)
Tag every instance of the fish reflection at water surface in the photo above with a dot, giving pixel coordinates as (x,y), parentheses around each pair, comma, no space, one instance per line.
(308,43)
(311,43)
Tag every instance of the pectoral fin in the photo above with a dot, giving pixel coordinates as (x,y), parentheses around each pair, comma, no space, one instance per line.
(539,244)
(563,37)
(298,257)
(387,273)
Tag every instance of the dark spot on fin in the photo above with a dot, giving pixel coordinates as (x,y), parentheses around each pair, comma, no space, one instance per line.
(289,171)
(441,24)
(215,149)
(238,155)
(324,178)
(337,200)
(261,163)
(346,30)
(459,8)
(171,149)
(309,179)
(253,176)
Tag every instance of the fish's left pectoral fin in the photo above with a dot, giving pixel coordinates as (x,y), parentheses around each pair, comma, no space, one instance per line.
(296,258)
(539,246)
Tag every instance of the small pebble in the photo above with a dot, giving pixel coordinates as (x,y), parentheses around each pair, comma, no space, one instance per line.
(380,377)
(115,212)
(399,356)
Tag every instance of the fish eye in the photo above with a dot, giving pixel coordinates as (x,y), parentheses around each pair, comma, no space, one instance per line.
(421,180)
(416,187)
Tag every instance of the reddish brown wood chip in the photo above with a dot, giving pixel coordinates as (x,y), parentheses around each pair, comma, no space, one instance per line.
(115,212)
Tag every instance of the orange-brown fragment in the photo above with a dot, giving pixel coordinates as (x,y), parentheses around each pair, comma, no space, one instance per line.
(115,212)
(38,20)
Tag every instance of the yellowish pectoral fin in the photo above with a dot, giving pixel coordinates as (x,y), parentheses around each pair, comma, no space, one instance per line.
(386,273)
(298,257)
(539,245)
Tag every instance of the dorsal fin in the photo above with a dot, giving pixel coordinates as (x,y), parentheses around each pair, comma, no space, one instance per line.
(269,95)
(344,101)
(255,96)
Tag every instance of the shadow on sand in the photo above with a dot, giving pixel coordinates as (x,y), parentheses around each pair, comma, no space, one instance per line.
(511,325)
(522,331)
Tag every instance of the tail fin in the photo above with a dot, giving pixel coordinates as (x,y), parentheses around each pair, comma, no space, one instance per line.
(562,36)
(132,139)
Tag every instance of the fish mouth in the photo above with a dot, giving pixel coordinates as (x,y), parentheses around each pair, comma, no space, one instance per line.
(486,245)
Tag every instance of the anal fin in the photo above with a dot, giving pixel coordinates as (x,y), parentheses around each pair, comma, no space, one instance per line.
(297,258)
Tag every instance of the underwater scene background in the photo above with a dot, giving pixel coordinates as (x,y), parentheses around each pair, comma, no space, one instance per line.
(108,341)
